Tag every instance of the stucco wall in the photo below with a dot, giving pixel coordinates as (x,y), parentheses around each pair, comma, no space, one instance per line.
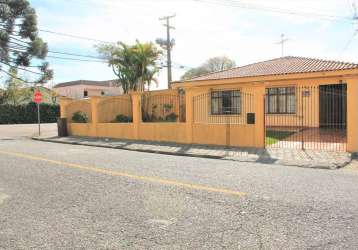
(204,133)
(77,91)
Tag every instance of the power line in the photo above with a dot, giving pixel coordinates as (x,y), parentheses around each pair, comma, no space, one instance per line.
(27,44)
(23,69)
(231,3)
(76,59)
(346,46)
(21,46)
(75,36)
(75,54)
(15,77)
(68,35)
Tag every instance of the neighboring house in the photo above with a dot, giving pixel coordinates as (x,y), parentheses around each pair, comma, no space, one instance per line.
(308,102)
(84,89)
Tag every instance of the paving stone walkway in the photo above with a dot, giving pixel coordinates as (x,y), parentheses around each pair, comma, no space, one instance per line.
(289,157)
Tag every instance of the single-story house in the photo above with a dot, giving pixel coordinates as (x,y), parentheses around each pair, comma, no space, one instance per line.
(85,88)
(309,103)
(287,102)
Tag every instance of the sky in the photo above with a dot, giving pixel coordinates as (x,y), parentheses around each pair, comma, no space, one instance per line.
(203,29)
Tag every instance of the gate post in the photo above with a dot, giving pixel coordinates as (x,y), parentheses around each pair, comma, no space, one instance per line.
(64,101)
(352,115)
(259,109)
(137,113)
(189,115)
(94,113)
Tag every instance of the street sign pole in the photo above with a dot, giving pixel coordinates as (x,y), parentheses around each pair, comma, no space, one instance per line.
(39,118)
(38,100)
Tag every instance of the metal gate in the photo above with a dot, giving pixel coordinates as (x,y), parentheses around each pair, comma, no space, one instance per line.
(306,117)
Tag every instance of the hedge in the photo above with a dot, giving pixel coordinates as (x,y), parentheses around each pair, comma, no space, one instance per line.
(27,113)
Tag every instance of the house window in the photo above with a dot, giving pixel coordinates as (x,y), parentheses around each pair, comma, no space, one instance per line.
(281,100)
(85,93)
(225,102)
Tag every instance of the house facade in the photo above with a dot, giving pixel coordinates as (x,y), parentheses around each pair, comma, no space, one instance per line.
(85,88)
(288,102)
(312,103)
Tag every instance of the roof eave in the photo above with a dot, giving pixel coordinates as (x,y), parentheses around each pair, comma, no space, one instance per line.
(280,77)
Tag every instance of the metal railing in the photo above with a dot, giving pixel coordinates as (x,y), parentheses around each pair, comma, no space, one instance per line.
(163,107)
(307,117)
(223,107)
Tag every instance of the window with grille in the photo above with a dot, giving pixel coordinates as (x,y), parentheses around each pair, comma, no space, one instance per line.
(281,100)
(225,102)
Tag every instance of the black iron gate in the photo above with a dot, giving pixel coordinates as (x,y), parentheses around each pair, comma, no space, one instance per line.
(306,117)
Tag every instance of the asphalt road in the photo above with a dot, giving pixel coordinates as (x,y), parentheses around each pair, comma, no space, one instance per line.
(55,196)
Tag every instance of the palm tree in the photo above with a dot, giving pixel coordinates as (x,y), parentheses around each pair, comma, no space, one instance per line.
(146,56)
(134,65)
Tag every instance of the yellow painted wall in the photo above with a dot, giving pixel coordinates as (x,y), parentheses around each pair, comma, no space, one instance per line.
(170,132)
(225,135)
(82,129)
(210,129)
(104,110)
(75,106)
(352,115)
(110,107)
(115,130)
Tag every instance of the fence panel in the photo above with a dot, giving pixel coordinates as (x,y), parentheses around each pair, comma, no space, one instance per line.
(223,107)
(115,109)
(306,117)
(79,106)
(163,108)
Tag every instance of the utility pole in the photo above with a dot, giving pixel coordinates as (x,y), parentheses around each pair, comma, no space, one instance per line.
(282,42)
(168,46)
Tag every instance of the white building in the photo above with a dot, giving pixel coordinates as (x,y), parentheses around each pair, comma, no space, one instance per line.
(84,88)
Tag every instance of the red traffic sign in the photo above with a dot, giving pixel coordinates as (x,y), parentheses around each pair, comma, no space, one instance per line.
(38,97)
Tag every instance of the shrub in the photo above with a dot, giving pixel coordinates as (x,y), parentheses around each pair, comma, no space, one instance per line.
(27,113)
(123,119)
(172,117)
(79,117)
(167,107)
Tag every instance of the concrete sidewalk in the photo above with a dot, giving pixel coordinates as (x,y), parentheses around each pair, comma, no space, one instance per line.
(288,157)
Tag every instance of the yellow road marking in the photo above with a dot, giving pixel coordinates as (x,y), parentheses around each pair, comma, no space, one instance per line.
(127,175)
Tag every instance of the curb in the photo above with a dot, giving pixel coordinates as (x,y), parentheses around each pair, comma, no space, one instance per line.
(134,150)
(289,164)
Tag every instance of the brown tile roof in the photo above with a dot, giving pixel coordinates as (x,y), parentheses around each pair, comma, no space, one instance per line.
(109,83)
(279,66)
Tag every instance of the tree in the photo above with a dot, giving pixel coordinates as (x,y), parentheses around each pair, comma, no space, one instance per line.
(19,40)
(134,65)
(16,91)
(213,64)
(2,98)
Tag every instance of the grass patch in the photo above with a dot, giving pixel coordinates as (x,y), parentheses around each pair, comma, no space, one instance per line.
(273,136)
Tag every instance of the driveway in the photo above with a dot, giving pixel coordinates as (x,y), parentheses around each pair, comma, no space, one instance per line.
(57,196)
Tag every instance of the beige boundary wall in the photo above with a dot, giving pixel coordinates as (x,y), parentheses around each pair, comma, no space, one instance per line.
(189,132)
(205,133)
